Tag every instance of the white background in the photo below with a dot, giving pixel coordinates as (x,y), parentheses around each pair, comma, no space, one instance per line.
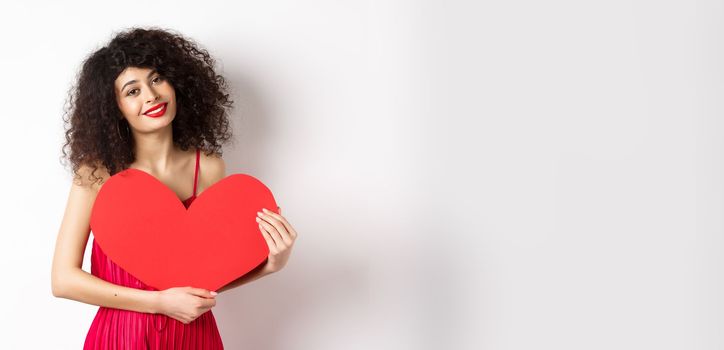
(499,175)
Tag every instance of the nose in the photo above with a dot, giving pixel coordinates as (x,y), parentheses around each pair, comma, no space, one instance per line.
(152,95)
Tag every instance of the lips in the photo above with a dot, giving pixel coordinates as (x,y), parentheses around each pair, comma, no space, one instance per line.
(157,110)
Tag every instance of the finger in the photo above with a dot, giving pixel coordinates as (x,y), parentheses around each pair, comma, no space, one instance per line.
(269,240)
(277,244)
(279,217)
(283,220)
(279,227)
(208,303)
(204,293)
(183,318)
(278,238)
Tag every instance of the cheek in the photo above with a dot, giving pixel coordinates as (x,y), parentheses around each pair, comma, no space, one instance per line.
(171,93)
(168,89)
(129,106)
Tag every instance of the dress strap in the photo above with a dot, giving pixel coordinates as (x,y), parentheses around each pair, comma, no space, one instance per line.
(196,172)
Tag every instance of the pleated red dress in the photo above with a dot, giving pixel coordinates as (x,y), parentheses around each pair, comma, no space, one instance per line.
(130,330)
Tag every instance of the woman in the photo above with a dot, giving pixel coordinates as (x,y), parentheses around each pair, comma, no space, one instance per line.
(148,100)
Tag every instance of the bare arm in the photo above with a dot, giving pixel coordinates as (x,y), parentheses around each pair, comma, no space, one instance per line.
(69,280)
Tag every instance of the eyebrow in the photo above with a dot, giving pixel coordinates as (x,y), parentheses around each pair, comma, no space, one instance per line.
(133,81)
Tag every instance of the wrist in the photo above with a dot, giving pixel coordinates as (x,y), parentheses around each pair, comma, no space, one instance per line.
(266,270)
(154,304)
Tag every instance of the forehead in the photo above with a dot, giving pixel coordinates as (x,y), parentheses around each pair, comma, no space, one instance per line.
(132,73)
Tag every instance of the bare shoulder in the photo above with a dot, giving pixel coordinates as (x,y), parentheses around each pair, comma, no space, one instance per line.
(212,168)
(86,183)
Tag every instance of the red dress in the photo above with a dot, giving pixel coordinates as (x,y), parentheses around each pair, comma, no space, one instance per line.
(131,330)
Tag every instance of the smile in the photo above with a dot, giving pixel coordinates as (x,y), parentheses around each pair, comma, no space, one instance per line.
(157,111)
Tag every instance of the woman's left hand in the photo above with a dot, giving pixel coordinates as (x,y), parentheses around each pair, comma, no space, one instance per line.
(279,236)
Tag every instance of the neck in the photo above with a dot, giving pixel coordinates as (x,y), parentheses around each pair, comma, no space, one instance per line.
(155,151)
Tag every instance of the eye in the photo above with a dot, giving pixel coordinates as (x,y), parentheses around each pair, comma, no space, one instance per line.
(157,79)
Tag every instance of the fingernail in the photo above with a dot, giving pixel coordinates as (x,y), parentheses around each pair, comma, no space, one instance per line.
(259,213)
(266,211)
(214,293)
(258,220)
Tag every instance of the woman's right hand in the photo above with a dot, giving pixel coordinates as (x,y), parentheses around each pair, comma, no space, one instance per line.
(185,304)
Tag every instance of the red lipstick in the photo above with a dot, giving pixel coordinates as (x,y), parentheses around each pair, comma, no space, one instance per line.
(156,111)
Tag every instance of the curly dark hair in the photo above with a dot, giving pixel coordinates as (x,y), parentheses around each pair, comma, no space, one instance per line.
(94,122)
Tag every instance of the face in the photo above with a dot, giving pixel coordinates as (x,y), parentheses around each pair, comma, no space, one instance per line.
(146,99)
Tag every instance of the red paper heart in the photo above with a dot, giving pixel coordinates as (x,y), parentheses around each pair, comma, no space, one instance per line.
(144,227)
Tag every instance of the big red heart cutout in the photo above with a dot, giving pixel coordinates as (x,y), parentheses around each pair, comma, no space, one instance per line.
(144,227)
